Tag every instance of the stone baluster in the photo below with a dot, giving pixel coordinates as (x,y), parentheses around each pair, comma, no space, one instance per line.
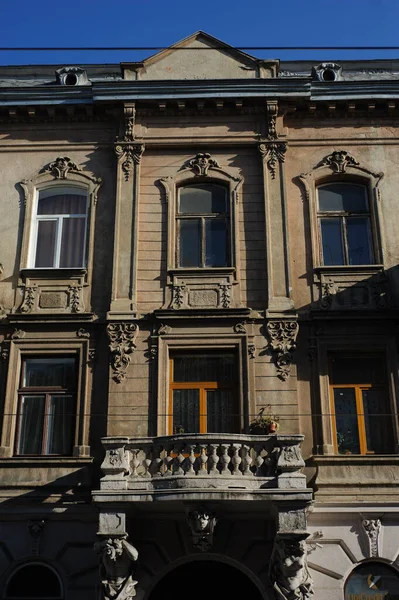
(147,461)
(203,460)
(178,462)
(225,460)
(135,462)
(246,460)
(157,462)
(213,460)
(191,459)
(259,460)
(236,459)
(168,460)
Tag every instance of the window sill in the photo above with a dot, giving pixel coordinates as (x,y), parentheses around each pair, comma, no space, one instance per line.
(51,273)
(201,270)
(47,461)
(349,269)
(331,459)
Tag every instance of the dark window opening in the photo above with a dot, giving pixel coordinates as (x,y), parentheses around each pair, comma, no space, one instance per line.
(34,581)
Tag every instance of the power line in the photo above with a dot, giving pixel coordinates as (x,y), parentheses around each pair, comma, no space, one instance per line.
(158,48)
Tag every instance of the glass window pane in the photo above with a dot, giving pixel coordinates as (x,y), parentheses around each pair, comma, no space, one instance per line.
(190,243)
(358,236)
(186,411)
(221,412)
(358,370)
(215,243)
(65,204)
(45,248)
(346,421)
(72,242)
(61,421)
(31,425)
(331,236)
(377,421)
(342,197)
(49,372)
(209,367)
(196,199)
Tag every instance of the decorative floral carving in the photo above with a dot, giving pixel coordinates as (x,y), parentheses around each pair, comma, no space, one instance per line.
(122,343)
(240,328)
(225,294)
(271,112)
(327,295)
(334,70)
(130,118)
(61,167)
(202,163)
(17,334)
(74,298)
(83,333)
(289,573)
(35,529)
(273,153)
(251,350)
(116,556)
(129,155)
(372,527)
(29,299)
(164,329)
(178,295)
(202,524)
(283,335)
(338,161)
(5,351)
(153,351)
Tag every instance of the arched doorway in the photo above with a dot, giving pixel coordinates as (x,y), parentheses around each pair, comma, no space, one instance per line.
(34,580)
(205,580)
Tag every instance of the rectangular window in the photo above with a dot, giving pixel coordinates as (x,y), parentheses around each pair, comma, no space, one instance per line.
(46,406)
(203,393)
(360,406)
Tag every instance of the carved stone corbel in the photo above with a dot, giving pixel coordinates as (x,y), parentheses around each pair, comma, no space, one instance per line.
(289,573)
(327,295)
(273,153)
(130,120)
(225,294)
(372,528)
(116,557)
(29,299)
(178,295)
(75,298)
(202,524)
(122,338)
(35,529)
(129,155)
(283,334)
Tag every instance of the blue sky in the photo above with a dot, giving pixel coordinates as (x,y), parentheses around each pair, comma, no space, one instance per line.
(161,23)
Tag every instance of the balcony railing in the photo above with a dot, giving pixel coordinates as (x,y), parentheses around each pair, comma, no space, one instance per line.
(206,461)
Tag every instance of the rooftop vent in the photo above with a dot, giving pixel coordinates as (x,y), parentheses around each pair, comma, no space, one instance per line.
(327,72)
(72,76)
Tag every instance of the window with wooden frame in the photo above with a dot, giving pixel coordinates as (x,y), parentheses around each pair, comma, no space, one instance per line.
(203,226)
(344,224)
(362,420)
(46,406)
(203,395)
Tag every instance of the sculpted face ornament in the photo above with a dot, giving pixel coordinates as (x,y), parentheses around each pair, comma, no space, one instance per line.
(202,524)
(116,556)
(289,573)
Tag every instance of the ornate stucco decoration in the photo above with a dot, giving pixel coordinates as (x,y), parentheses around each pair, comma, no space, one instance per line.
(35,529)
(338,161)
(225,294)
(372,528)
(116,557)
(122,338)
(289,573)
(164,329)
(282,334)
(327,295)
(130,120)
(61,167)
(83,333)
(29,299)
(251,350)
(202,524)
(18,334)
(240,328)
(327,71)
(74,298)
(178,295)
(202,163)
(271,114)
(129,155)
(273,153)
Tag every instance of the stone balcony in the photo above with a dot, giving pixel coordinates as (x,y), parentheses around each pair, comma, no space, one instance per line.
(203,467)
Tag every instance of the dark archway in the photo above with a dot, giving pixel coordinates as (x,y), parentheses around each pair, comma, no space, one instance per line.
(34,580)
(205,580)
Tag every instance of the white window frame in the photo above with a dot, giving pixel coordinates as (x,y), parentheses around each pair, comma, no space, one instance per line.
(36,219)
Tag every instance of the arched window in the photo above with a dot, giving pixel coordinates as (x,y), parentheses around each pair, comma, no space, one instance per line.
(203,226)
(344,224)
(59,228)
(36,581)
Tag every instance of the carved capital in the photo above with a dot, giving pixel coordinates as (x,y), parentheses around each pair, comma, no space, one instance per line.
(122,338)
(61,167)
(338,161)
(372,528)
(273,153)
(129,155)
(283,334)
(202,524)
(289,573)
(116,558)
(202,163)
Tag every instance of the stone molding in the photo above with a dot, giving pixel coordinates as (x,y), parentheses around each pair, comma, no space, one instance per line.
(122,338)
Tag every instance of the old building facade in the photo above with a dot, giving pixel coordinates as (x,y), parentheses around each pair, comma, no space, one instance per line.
(195,248)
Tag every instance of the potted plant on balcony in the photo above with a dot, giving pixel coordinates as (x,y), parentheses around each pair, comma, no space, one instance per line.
(264,423)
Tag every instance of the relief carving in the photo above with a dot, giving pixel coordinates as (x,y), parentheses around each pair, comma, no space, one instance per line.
(116,558)
(74,298)
(35,529)
(130,119)
(83,333)
(129,155)
(122,338)
(164,329)
(240,328)
(282,336)
(289,573)
(17,334)
(338,161)
(225,294)
(202,524)
(327,295)
(61,167)
(251,350)
(202,163)
(178,295)
(372,528)
(29,299)
(273,153)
